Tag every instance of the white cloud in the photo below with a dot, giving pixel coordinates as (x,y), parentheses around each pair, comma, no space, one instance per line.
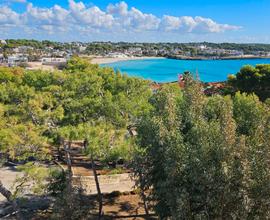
(140,21)
(208,25)
(46,16)
(8,16)
(120,8)
(132,19)
(92,16)
(117,18)
(194,25)
(170,23)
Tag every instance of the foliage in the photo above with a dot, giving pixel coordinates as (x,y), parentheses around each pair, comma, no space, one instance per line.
(33,179)
(72,205)
(105,141)
(37,106)
(148,49)
(205,158)
(82,101)
(253,80)
(56,182)
(200,157)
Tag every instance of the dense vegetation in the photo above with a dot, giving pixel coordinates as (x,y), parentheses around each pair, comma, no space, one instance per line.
(252,79)
(12,43)
(246,48)
(84,101)
(100,48)
(196,157)
(205,157)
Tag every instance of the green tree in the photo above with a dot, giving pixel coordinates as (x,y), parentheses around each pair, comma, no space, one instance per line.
(253,80)
(37,106)
(205,157)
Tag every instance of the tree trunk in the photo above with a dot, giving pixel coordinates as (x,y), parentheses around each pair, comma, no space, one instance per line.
(98,188)
(68,162)
(69,197)
(8,195)
(96,181)
(5,192)
(144,199)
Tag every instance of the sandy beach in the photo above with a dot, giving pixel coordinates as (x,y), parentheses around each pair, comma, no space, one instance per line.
(39,66)
(104,60)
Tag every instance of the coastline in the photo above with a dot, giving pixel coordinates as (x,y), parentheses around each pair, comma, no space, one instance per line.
(106,60)
(253,60)
(245,57)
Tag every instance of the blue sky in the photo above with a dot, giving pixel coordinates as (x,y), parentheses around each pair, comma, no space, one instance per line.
(137,20)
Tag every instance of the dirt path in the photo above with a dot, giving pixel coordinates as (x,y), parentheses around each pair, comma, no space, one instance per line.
(8,176)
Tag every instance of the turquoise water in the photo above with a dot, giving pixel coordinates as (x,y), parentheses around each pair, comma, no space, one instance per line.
(167,70)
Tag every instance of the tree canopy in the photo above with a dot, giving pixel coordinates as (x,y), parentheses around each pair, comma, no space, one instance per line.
(37,105)
(205,157)
(198,156)
(252,79)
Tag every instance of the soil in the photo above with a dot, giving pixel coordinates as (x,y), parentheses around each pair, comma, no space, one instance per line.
(8,176)
(126,207)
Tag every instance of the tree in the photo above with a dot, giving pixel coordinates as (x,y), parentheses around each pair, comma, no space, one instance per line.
(205,157)
(103,142)
(82,101)
(20,142)
(253,80)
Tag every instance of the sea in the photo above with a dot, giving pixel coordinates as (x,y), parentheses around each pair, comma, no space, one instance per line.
(167,70)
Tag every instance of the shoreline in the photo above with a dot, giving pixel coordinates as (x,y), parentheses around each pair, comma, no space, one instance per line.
(107,60)
(218,58)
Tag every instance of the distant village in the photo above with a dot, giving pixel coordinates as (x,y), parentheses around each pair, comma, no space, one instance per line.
(31,57)
(34,54)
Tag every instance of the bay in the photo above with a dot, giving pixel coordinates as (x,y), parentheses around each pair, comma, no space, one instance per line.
(167,70)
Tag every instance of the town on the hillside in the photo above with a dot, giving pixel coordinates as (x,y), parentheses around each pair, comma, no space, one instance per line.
(33,54)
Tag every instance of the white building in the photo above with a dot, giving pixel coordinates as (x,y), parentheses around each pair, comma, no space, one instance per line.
(176,51)
(235,52)
(16,50)
(53,61)
(214,51)
(202,47)
(134,51)
(24,49)
(3,42)
(1,58)
(116,55)
(15,60)
(82,49)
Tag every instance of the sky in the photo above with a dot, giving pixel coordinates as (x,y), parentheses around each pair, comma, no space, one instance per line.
(239,21)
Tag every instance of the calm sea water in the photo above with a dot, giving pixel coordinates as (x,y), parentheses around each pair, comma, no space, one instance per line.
(167,70)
